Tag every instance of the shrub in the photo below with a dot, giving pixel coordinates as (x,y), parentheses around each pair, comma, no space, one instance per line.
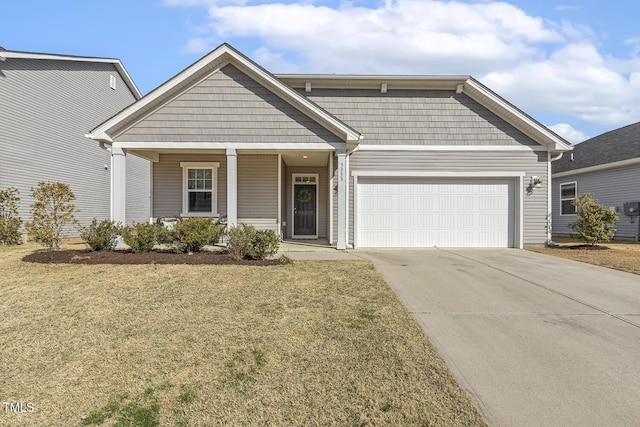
(247,242)
(240,241)
(10,222)
(52,211)
(265,243)
(141,236)
(99,235)
(192,234)
(595,223)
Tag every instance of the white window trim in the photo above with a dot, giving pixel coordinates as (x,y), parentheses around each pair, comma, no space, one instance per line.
(575,183)
(214,166)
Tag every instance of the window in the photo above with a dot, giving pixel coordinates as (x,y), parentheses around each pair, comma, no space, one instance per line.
(199,188)
(568,192)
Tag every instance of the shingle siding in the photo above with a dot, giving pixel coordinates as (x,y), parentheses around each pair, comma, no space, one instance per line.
(47,106)
(420,117)
(529,162)
(612,187)
(228,107)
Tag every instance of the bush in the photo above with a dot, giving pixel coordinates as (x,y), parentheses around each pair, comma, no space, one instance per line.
(247,242)
(265,243)
(52,211)
(99,235)
(192,234)
(10,222)
(240,241)
(141,236)
(595,223)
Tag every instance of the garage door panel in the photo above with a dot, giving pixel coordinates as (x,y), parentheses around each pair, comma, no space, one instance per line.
(426,212)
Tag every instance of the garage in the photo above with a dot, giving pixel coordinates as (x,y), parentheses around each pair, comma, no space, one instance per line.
(428,212)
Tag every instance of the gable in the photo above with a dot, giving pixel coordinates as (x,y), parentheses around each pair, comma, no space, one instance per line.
(227,107)
(418,117)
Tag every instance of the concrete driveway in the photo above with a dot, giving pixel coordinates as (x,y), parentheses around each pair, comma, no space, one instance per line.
(536,340)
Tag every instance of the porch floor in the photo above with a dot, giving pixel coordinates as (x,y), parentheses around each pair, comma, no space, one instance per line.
(290,245)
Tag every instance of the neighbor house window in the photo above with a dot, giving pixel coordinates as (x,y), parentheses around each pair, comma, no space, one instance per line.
(568,192)
(199,188)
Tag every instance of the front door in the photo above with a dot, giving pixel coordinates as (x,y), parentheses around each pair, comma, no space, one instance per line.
(304,210)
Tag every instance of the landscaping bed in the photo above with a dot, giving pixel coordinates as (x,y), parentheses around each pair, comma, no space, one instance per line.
(75,256)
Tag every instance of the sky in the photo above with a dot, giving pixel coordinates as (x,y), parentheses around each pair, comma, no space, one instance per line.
(573,65)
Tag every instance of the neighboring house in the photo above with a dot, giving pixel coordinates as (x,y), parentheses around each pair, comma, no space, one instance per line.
(47,104)
(358,161)
(608,166)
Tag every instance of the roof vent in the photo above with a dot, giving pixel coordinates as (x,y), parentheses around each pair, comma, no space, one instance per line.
(571,159)
(112,82)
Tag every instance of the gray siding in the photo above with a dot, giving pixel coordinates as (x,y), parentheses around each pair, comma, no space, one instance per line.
(258,186)
(323,199)
(227,107)
(611,188)
(532,163)
(47,106)
(422,117)
(167,182)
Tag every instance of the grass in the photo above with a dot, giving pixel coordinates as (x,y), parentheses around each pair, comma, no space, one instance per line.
(624,256)
(308,343)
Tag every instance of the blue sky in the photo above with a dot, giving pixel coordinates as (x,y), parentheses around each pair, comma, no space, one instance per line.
(573,65)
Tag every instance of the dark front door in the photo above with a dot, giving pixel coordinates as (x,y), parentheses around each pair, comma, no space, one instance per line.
(304,210)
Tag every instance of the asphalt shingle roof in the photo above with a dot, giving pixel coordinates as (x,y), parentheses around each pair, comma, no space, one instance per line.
(613,146)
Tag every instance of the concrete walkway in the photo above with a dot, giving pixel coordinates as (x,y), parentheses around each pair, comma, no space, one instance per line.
(536,340)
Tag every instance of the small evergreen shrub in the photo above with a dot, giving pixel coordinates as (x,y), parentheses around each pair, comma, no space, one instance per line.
(140,236)
(10,222)
(192,234)
(240,241)
(52,211)
(247,242)
(99,235)
(596,223)
(265,243)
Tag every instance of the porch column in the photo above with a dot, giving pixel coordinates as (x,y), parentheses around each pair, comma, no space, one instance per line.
(342,200)
(118,184)
(232,187)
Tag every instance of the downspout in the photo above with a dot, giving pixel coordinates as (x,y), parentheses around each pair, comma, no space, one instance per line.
(550,160)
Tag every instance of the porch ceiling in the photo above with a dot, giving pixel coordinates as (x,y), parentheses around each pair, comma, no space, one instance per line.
(306,158)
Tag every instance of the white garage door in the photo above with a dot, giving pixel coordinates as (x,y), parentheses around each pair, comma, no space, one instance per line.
(426,212)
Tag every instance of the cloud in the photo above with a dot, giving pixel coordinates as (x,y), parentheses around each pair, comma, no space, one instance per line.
(569,133)
(539,65)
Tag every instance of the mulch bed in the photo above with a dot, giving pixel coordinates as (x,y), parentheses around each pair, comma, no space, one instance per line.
(588,247)
(123,257)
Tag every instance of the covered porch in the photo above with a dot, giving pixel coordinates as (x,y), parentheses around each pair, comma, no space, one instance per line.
(301,194)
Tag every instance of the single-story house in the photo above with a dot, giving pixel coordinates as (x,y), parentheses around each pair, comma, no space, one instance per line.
(608,166)
(355,161)
(47,103)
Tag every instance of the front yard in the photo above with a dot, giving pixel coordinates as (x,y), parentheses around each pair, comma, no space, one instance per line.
(619,255)
(312,343)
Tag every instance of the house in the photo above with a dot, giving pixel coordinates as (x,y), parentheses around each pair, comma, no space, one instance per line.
(47,104)
(355,161)
(608,166)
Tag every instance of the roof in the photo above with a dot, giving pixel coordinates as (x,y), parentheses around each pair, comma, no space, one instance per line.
(8,54)
(222,55)
(460,83)
(618,145)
